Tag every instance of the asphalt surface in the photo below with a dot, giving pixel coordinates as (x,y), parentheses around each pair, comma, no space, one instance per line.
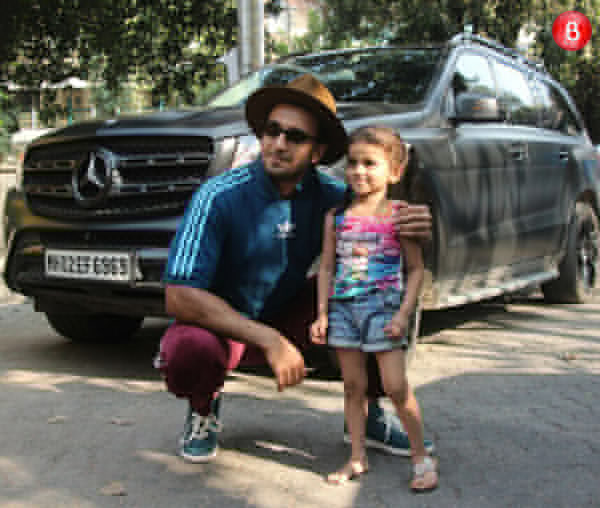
(510,395)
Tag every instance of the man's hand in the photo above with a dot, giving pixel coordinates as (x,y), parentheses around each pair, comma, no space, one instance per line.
(286,362)
(413,222)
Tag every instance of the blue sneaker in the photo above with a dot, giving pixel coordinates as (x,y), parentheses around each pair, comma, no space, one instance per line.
(384,432)
(198,442)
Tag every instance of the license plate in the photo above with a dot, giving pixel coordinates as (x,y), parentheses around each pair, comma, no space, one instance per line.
(88,265)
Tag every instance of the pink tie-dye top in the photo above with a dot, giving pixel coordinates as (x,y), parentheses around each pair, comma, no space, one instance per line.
(368,256)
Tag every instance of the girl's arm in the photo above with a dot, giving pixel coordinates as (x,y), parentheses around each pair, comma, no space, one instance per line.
(318,330)
(413,256)
(327,265)
(397,328)
(398,325)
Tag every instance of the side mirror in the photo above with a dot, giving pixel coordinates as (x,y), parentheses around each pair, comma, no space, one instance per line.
(474,107)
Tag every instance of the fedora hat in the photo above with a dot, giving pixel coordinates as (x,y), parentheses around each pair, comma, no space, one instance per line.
(308,93)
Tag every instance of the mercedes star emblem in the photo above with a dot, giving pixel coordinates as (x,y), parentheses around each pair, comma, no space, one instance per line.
(92,180)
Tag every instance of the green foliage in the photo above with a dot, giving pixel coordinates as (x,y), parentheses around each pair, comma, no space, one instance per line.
(275,49)
(273,7)
(166,45)
(170,46)
(348,20)
(410,21)
(311,41)
(8,122)
(308,43)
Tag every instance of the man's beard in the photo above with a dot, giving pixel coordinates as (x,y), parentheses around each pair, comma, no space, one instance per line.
(280,174)
(288,175)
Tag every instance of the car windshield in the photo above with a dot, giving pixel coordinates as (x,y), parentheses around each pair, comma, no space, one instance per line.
(237,94)
(390,75)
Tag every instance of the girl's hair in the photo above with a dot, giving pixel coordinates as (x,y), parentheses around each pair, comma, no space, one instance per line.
(393,145)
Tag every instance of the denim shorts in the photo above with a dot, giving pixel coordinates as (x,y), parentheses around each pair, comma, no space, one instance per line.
(358,322)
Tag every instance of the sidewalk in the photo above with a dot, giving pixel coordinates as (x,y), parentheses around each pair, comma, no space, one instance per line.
(510,394)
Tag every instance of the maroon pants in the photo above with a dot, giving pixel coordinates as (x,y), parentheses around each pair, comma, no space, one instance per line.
(195,361)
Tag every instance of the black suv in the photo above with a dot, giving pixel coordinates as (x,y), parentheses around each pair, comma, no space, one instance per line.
(499,152)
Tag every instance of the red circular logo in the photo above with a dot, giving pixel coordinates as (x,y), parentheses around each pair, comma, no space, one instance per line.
(572,30)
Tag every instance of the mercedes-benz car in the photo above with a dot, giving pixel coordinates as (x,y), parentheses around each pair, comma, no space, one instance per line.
(498,151)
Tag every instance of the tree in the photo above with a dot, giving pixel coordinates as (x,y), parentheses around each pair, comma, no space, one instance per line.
(409,21)
(172,46)
(310,41)
(8,123)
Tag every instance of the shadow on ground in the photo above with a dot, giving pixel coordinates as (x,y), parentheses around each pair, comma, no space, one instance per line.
(506,436)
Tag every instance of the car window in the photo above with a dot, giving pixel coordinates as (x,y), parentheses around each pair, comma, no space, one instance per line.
(514,95)
(473,74)
(549,110)
(237,94)
(567,122)
(390,75)
(554,111)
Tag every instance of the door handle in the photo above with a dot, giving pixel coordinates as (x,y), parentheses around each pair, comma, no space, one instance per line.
(563,155)
(518,151)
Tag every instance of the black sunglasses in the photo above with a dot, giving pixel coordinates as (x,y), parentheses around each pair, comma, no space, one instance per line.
(293,135)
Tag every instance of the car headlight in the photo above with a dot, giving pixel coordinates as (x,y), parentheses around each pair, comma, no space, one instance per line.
(20,158)
(246,150)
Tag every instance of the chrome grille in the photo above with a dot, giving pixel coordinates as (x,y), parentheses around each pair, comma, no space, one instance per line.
(151,176)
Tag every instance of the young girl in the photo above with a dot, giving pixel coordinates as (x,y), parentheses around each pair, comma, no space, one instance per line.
(368,287)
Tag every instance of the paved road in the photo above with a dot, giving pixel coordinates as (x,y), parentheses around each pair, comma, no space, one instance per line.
(6,296)
(510,395)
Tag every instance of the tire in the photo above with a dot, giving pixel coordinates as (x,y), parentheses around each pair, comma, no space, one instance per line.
(94,327)
(578,270)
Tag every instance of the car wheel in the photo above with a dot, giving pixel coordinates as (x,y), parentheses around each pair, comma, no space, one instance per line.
(578,269)
(94,327)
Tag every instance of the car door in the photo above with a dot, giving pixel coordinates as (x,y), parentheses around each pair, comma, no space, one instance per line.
(520,139)
(548,187)
(480,219)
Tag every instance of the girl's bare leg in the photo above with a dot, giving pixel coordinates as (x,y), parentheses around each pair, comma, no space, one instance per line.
(353,364)
(395,384)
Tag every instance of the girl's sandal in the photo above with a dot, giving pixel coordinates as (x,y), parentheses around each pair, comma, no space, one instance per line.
(350,471)
(425,475)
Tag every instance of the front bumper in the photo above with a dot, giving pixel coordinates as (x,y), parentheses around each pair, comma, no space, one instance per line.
(146,241)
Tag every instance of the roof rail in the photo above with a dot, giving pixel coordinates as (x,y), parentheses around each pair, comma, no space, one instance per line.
(513,53)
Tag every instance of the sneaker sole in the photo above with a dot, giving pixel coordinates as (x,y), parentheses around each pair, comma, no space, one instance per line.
(198,458)
(378,445)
